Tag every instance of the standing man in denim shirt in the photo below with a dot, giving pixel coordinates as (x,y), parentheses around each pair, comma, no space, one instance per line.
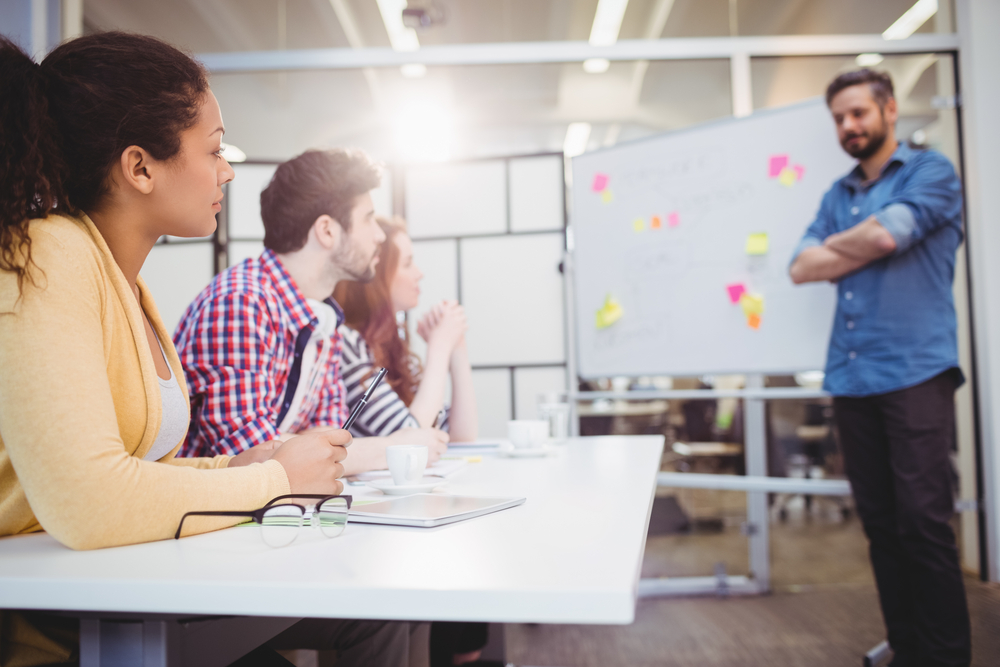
(887,234)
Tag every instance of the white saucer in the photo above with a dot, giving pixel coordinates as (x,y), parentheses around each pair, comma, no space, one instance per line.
(513,452)
(390,488)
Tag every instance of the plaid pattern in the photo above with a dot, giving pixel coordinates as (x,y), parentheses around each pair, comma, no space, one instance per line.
(236,342)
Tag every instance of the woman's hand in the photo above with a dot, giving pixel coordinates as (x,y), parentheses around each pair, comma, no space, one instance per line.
(312,461)
(444,326)
(257,454)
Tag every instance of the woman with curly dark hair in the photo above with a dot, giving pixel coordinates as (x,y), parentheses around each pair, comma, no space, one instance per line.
(113,141)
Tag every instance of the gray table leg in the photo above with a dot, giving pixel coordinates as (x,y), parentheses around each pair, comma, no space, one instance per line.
(877,655)
(170,641)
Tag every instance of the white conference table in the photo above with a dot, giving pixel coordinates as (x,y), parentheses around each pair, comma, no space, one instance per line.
(570,554)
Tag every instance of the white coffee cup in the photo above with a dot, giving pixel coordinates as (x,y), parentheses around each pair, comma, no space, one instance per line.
(406,463)
(528,433)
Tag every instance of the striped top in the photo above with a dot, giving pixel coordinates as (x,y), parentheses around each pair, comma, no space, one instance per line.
(386,412)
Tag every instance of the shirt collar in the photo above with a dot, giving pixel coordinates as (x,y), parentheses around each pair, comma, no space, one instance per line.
(289,295)
(856,178)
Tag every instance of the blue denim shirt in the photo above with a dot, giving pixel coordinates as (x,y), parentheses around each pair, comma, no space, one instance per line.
(895,323)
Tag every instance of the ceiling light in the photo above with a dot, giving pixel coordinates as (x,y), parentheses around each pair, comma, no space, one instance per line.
(914,17)
(414,70)
(577,136)
(401,37)
(607,22)
(233,154)
(868,59)
(596,65)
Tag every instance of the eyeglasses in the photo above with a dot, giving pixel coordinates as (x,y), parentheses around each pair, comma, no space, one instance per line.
(280,524)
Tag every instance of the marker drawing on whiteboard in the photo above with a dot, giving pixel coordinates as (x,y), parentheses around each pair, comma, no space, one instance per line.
(609,313)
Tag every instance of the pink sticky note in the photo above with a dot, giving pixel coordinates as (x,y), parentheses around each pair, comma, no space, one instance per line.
(800,171)
(600,182)
(673,219)
(736,290)
(776,164)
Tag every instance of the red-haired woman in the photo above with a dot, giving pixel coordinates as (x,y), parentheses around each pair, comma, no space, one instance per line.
(413,394)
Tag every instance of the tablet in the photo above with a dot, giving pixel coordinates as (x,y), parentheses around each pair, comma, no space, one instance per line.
(427,510)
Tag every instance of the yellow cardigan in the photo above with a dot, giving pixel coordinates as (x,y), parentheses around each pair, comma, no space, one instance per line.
(80,407)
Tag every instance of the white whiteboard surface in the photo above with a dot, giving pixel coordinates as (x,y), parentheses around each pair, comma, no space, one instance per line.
(512,292)
(175,274)
(536,193)
(492,387)
(671,282)
(243,196)
(460,199)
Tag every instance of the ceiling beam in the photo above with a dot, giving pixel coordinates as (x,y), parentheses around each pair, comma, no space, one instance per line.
(525,53)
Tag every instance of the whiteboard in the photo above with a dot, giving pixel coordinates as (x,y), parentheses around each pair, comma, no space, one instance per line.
(651,293)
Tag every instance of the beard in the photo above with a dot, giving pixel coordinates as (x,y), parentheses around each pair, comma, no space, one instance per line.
(360,269)
(876,139)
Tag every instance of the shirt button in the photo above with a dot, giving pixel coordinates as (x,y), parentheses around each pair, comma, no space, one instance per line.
(852,355)
(850,324)
(849,295)
(855,210)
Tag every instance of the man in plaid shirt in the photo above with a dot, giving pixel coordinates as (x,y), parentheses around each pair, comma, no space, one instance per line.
(260,345)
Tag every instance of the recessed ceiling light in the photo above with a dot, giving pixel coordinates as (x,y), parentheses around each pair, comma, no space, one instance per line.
(413,70)
(596,65)
(868,59)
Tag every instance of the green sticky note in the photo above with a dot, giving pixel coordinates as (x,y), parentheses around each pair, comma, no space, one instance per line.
(757,244)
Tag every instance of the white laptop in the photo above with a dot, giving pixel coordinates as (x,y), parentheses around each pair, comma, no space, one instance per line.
(427,510)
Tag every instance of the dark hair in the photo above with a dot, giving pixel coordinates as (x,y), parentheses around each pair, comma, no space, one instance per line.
(880,84)
(368,310)
(65,123)
(313,184)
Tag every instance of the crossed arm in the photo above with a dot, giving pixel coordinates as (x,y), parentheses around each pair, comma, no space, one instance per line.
(843,253)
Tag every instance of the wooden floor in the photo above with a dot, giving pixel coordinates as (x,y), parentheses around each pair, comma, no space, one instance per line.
(824,611)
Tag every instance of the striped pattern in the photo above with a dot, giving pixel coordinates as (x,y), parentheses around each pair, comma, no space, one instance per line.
(386,413)
(236,342)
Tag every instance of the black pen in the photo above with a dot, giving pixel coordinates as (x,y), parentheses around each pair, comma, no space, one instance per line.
(360,405)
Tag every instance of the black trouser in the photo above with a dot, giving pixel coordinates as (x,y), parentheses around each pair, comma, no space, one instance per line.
(897,452)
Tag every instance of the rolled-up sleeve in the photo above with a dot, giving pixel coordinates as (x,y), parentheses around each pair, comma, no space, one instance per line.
(928,198)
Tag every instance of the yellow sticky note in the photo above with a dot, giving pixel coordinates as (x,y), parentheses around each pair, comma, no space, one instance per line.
(638,224)
(609,313)
(752,304)
(606,196)
(787,177)
(753,321)
(757,244)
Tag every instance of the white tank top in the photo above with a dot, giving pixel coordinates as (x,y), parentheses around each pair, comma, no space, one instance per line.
(176,415)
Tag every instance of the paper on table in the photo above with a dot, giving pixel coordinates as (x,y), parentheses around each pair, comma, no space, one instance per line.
(442,468)
(736,290)
(776,164)
(757,244)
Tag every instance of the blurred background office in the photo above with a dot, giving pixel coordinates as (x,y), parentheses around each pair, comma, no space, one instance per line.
(477,107)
